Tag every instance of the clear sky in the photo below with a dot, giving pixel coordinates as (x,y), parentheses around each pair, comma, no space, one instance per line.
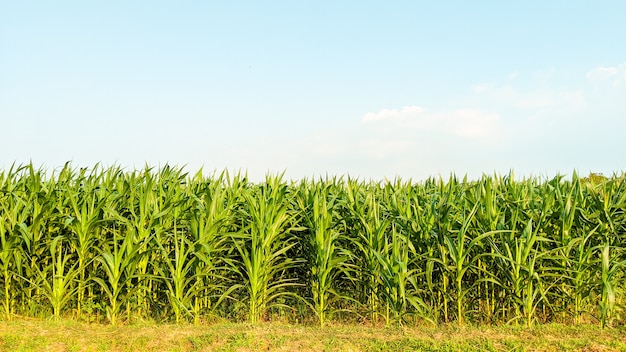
(373,89)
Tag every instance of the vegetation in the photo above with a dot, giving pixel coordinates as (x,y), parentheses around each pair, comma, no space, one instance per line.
(70,335)
(109,245)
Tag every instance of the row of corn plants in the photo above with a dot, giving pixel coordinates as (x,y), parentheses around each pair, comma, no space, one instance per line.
(159,244)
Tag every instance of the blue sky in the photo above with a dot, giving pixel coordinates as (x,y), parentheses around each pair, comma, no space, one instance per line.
(370,88)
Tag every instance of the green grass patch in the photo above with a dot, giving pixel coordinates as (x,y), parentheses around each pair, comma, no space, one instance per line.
(64,335)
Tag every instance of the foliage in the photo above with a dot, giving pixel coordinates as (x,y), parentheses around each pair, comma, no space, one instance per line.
(160,244)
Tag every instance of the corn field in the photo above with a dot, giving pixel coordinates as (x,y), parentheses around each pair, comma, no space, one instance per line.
(104,244)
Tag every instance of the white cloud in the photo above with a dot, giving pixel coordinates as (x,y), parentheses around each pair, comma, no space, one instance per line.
(611,74)
(469,123)
(496,126)
(561,101)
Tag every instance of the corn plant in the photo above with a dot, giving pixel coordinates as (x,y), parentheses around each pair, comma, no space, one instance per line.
(327,260)
(41,223)
(443,205)
(459,248)
(178,272)
(263,244)
(83,208)
(402,264)
(57,278)
(400,288)
(119,263)
(214,205)
(161,245)
(12,214)
(610,272)
(371,226)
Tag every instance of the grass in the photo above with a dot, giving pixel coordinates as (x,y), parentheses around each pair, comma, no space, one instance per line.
(66,335)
